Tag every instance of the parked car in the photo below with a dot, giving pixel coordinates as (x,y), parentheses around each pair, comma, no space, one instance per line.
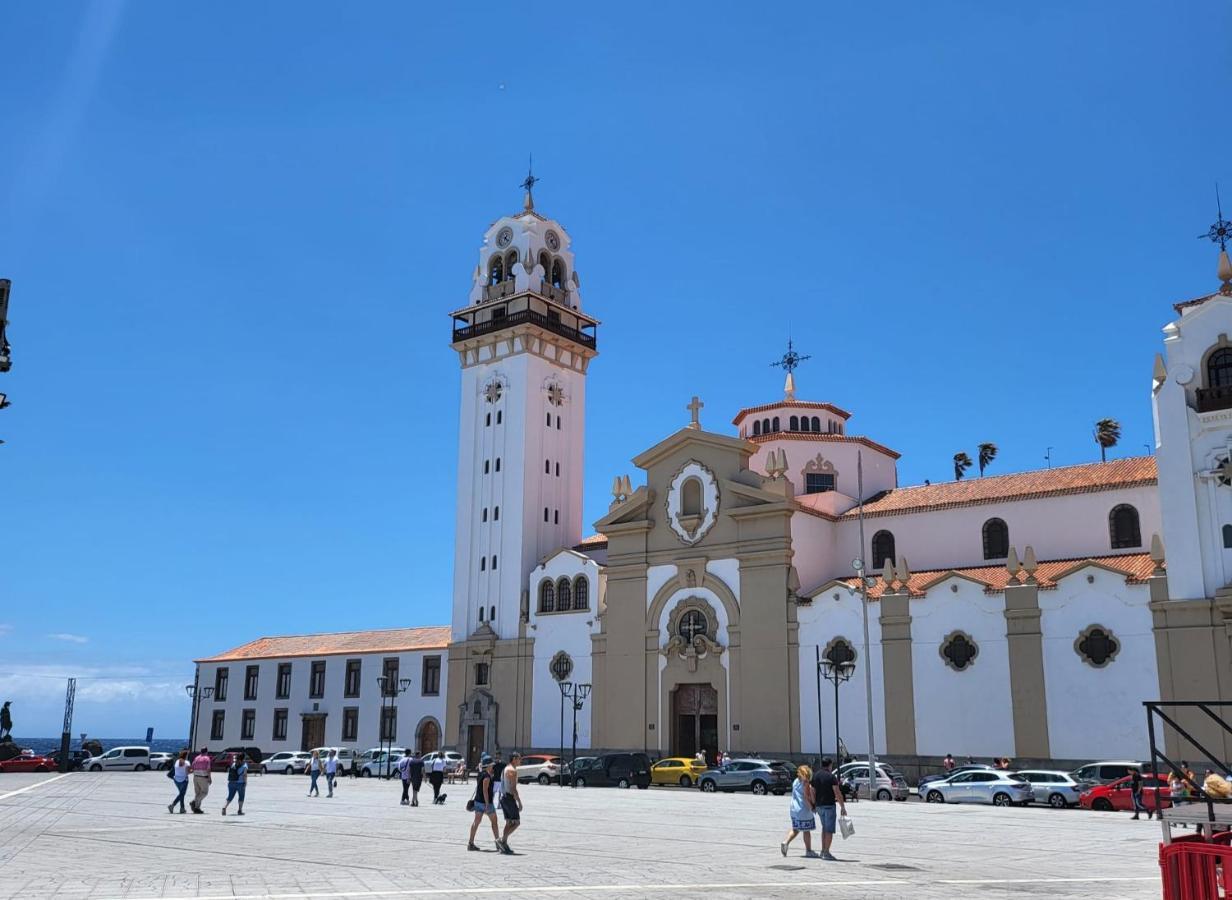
(682,770)
(891,785)
(28,762)
(1105,772)
(761,776)
(285,762)
(120,759)
(75,759)
(452,757)
(618,769)
(221,761)
(160,760)
(346,756)
(997,788)
(383,765)
(540,768)
(1057,789)
(957,770)
(1117,795)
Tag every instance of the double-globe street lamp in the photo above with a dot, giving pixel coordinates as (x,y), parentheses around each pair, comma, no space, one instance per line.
(836,666)
(576,694)
(196,695)
(390,689)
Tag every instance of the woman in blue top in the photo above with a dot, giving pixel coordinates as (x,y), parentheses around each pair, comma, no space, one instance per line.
(802,803)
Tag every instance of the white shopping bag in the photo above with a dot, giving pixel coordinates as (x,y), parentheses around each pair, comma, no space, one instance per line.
(845,826)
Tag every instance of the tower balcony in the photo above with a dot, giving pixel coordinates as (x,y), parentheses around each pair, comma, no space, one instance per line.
(521,310)
(1213,398)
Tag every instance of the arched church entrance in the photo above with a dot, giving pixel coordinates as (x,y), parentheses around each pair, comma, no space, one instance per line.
(695,720)
(428,736)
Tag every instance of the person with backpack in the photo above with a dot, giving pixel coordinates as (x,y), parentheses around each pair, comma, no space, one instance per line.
(178,773)
(237,780)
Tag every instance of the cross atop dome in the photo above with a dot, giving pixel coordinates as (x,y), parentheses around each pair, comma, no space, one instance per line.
(789,363)
(528,203)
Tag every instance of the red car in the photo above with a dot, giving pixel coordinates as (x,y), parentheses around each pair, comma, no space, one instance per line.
(1116,794)
(28,764)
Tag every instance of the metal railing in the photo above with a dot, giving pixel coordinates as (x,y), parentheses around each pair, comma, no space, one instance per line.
(1155,709)
(1214,398)
(524,317)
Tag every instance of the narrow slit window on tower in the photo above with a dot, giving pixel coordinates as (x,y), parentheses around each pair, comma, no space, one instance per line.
(481,614)
(499,417)
(487,420)
(493,562)
(496,514)
(545,514)
(547,467)
(558,423)
(1227,537)
(558,470)
(486,467)
(484,518)
(498,463)
(492,614)
(548,421)
(483,564)
(556,517)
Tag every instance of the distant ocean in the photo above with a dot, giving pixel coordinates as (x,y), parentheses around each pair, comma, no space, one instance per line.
(46,745)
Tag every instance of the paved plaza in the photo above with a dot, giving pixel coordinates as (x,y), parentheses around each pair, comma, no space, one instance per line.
(109,835)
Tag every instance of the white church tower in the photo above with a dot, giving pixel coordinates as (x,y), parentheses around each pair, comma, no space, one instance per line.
(524,345)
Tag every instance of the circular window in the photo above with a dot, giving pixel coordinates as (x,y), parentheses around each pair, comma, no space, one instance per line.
(693,623)
(561,666)
(959,650)
(1097,646)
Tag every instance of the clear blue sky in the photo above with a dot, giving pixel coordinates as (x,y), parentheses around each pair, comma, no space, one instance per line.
(234,233)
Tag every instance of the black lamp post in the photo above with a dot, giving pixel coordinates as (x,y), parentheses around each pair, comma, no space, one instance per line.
(196,695)
(837,666)
(576,694)
(390,689)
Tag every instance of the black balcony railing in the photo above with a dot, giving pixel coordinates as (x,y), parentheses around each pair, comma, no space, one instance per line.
(1211,399)
(523,317)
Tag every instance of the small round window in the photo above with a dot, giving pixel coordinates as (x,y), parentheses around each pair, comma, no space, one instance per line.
(693,623)
(1097,646)
(959,651)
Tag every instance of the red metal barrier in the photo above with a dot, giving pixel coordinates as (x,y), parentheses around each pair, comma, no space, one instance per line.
(1196,871)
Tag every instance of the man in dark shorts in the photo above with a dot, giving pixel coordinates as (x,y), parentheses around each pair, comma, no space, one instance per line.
(510,800)
(827,794)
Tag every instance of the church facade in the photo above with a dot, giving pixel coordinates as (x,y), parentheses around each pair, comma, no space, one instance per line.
(1024,615)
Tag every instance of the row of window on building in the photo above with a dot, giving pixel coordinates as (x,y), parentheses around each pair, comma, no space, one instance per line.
(564,595)
(500,268)
(1124,532)
(809,424)
(487,422)
(350,724)
(430,683)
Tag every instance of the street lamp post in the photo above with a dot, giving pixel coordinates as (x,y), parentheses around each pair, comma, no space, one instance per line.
(580,693)
(576,694)
(390,689)
(837,667)
(196,695)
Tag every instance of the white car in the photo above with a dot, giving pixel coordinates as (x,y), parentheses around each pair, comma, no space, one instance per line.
(345,757)
(120,759)
(891,785)
(285,762)
(160,760)
(540,768)
(453,759)
(377,767)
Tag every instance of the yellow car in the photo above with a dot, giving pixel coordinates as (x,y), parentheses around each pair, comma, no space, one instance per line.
(676,770)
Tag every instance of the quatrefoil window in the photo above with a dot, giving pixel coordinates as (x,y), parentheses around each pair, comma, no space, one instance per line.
(1097,646)
(959,650)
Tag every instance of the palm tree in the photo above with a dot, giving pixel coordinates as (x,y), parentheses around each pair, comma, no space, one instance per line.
(988,452)
(962,462)
(1107,433)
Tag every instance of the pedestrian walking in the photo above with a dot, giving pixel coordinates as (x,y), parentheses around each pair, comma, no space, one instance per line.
(331,771)
(948,763)
(179,777)
(314,772)
(725,759)
(1135,793)
(510,801)
(436,775)
(498,769)
(404,775)
(801,811)
(482,803)
(826,795)
(237,780)
(201,779)
(416,768)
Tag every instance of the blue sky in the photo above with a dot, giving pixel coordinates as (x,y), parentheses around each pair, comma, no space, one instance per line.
(234,233)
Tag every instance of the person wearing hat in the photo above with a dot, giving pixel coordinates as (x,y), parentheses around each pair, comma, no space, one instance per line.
(510,801)
(483,804)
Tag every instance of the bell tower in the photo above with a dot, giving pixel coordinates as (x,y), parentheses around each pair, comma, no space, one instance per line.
(524,345)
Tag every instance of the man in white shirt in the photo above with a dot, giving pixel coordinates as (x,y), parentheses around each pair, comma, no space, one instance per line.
(331,771)
(436,775)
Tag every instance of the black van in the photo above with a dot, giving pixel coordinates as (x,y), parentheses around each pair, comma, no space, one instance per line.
(613,770)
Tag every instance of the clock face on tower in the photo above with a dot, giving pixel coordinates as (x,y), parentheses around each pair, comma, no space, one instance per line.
(552,239)
(504,237)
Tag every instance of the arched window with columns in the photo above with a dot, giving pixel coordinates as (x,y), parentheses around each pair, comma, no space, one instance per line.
(883,549)
(581,592)
(996,536)
(547,596)
(563,600)
(1123,528)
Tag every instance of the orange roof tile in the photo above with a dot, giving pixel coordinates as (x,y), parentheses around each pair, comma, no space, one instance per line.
(819,436)
(389,640)
(1136,471)
(797,404)
(1137,568)
(1196,301)
(594,542)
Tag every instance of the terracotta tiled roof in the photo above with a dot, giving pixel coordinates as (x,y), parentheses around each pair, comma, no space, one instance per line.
(795,404)
(1196,301)
(1136,471)
(594,542)
(390,640)
(1136,567)
(817,436)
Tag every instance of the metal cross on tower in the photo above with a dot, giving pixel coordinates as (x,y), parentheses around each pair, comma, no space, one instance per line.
(791,359)
(529,184)
(1221,232)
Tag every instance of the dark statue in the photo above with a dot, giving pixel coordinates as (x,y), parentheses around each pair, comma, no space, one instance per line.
(6,722)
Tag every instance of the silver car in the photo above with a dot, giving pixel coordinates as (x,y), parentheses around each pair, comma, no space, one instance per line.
(997,788)
(761,776)
(285,762)
(891,785)
(1057,789)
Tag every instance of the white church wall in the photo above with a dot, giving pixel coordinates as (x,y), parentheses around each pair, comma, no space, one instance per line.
(880,469)
(815,542)
(1064,527)
(555,632)
(1097,713)
(727,571)
(966,712)
(821,621)
(656,577)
